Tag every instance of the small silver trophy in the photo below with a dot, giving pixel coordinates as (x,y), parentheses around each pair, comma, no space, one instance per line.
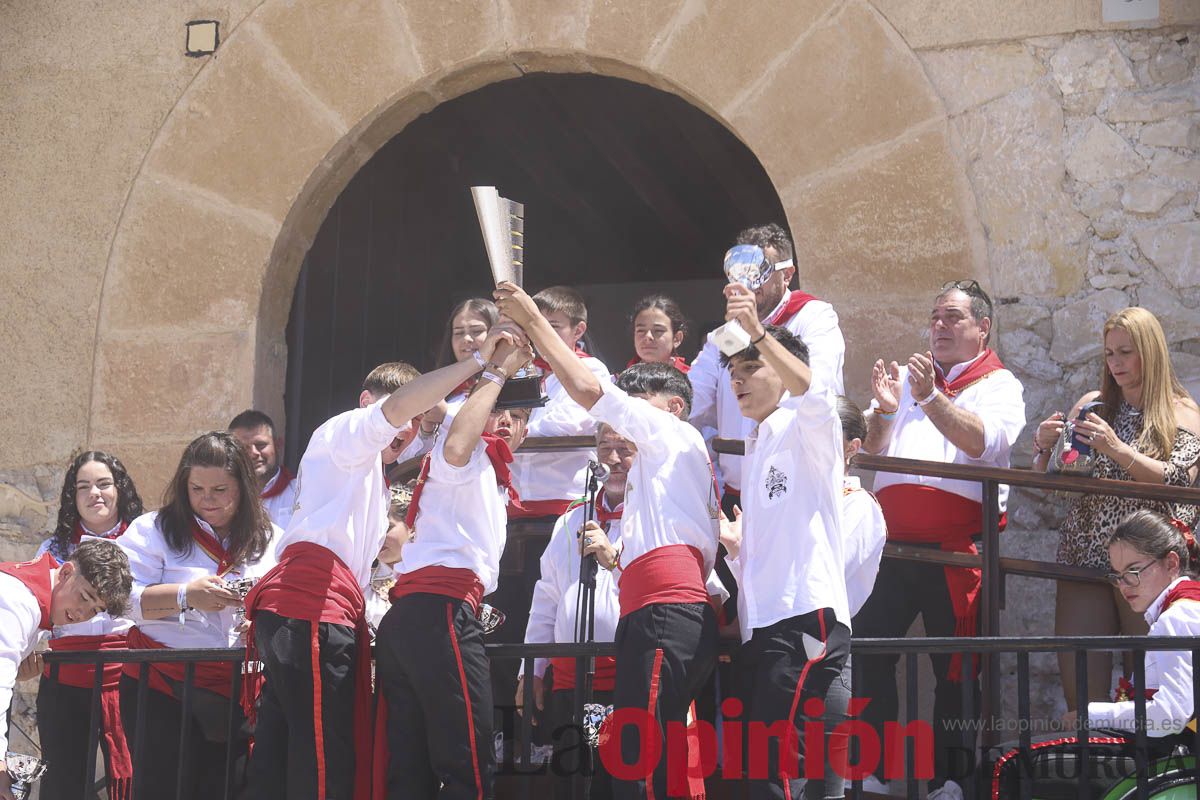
(490,618)
(594,715)
(503,224)
(23,770)
(746,264)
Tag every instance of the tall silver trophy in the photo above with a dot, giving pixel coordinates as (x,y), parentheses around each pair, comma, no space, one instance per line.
(748,265)
(502,222)
(24,771)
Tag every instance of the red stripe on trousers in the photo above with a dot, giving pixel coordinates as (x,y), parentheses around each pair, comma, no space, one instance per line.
(318,719)
(783,778)
(462,674)
(654,681)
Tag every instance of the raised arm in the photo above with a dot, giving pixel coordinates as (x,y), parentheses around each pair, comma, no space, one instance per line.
(472,418)
(740,305)
(578,381)
(426,391)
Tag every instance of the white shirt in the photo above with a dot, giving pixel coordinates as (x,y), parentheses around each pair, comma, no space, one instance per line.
(342,500)
(670,495)
(279,508)
(19,621)
(997,400)
(1168,671)
(462,520)
(153,562)
(792,559)
(558,475)
(556,594)
(101,624)
(714,407)
(863,535)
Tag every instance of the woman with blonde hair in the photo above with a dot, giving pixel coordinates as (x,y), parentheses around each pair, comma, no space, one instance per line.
(1148,430)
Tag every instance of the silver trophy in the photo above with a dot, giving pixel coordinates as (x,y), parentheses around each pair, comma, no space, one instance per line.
(503,224)
(490,618)
(23,770)
(746,264)
(594,715)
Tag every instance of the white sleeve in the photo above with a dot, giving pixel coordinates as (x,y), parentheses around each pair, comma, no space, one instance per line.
(815,407)
(443,471)
(1002,411)
(145,547)
(865,536)
(548,592)
(635,419)
(826,346)
(355,438)
(1169,711)
(715,587)
(704,375)
(565,417)
(19,619)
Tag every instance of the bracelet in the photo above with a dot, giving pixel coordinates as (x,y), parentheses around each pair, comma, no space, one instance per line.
(421,430)
(930,398)
(879,412)
(1132,459)
(493,377)
(496,369)
(759,339)
(479,359)
(181,599)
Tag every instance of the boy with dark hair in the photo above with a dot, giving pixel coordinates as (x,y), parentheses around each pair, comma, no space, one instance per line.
(37,595)
(277,490)
(549,481)
(792,606)
(667,634)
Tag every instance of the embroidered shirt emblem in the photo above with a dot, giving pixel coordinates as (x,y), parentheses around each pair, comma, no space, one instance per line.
(776,483)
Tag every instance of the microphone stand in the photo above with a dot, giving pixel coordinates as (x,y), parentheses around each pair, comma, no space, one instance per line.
(585,613)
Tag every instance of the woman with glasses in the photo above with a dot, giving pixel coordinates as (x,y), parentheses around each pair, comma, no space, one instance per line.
(1153,560)
(1147,430)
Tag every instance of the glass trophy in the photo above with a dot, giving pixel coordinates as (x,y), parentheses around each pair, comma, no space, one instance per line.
(502,222)
(24,771)
(746,264)
(490,618)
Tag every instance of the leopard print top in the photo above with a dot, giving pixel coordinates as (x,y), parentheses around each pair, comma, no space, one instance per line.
(1092,517)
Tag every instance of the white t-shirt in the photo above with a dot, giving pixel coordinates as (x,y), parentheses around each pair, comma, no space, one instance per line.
(558,475)
(997,400)
(153,562)
(1168,671)
(714,407)
(20,617)
(101,624)
(279,508)
(342,500)
(792,558)
(864,535)
(461,518)
(670,496)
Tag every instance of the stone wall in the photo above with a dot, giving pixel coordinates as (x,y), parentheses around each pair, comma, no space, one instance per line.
(1082,151)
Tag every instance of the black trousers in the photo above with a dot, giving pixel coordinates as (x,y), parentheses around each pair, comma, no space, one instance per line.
(203,763)
(573,758)
(434,675)
(903,590)
(284,762)
(62,717)
(775,673)
(665,653)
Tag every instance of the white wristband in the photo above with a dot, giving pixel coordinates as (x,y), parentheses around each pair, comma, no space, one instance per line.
(181,598)
(929,399)
(479,359)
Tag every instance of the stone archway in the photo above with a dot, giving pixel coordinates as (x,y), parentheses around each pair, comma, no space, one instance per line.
(200,276)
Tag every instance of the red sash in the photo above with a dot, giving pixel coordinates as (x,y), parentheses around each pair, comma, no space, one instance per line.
(282,481)
(313,584)
(456,582)
(120,764)
(668,574)
(215,676)
(983,366)
(213,548)
(80,532)
(926,515)
(545,367)
(796,301)
(678,362)
(532,509)
(36,577)
(602,681)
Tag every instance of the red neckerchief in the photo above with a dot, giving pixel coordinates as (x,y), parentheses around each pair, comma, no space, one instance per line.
(213,548)
(497,452)
(545,367)
(1184,590)
(678,362)
(282,481)
(81,531)
(605,516)
(1125,689)
(983,366)
(796,301)
(36,577)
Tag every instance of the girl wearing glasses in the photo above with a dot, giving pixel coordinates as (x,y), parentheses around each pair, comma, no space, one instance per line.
(1148,430)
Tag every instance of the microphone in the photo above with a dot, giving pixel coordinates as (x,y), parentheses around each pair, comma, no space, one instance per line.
(599,472)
